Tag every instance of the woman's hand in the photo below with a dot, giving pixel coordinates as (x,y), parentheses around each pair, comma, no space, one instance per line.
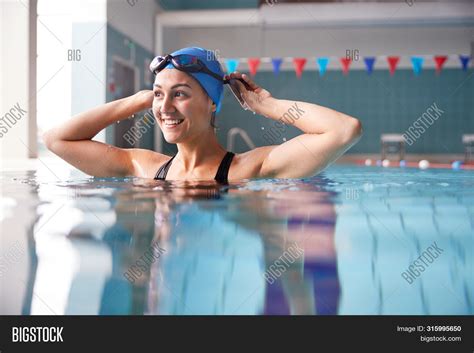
(255,98)
(145,98)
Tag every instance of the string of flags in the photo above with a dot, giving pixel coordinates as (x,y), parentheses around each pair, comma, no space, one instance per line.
(345,62)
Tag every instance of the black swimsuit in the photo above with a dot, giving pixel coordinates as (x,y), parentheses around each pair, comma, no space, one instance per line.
(221,175)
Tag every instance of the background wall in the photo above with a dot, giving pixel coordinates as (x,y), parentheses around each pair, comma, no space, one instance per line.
(130,38)
(209,4)
(71,58)
(383,103)
(118,46)
(17,66)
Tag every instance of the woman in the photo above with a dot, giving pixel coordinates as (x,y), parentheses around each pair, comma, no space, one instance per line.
(186,96)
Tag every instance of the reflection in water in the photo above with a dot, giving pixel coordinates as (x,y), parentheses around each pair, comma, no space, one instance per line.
(315,246)
(215,244)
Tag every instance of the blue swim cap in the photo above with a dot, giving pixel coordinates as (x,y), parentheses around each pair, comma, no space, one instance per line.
(213,87)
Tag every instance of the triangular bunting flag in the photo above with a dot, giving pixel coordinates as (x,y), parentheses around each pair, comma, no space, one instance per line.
(369,63)
(345,62)
(253,65)
(323,64)
(392,63)
(440,60)
(276,62)
(299,64)
(464,61)
(417,62)
(232,65)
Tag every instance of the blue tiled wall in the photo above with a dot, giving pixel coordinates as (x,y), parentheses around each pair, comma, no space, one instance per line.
(384,104)
(204,5)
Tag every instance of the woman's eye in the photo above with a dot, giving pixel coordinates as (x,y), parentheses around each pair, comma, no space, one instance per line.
(177,94)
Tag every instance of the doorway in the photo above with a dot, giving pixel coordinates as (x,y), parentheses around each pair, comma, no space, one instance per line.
(126,84)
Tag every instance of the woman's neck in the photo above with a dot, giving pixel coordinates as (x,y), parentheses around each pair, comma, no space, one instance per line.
(204,149)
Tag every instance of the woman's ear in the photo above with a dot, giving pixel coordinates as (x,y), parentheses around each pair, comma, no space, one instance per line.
(213,120)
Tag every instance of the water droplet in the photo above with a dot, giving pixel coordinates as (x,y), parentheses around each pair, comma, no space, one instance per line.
(263,128)
(284,138)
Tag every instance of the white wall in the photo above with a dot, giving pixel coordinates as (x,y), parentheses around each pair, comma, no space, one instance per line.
(52,90)
(14,79)
(70,87)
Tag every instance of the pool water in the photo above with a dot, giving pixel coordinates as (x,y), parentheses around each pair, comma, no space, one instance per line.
(353,240)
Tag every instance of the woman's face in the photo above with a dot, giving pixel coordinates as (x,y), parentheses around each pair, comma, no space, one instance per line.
(181,106)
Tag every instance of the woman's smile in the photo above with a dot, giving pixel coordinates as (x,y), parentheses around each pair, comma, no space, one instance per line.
(171,123)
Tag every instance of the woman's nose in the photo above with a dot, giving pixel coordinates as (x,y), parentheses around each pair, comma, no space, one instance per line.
(167,105)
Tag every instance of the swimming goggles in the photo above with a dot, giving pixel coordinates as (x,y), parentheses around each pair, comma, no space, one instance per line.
(183,62)
(191,63)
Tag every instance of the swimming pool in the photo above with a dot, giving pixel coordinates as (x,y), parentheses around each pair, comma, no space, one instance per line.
(353,240)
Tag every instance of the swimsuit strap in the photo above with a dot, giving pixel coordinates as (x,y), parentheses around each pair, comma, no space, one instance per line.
(223,171)
(221,175)
(161,173)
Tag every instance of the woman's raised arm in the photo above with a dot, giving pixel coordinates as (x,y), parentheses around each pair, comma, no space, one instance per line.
(72,140)
(327,133)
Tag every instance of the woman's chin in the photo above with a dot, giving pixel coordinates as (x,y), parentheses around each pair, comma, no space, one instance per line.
(172,138)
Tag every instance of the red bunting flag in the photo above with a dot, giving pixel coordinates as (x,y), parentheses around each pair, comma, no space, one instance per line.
(299,64)
(345,62)
(440,60)
(392,63)
(253,65)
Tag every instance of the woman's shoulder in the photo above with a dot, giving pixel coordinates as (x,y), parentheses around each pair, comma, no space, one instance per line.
(146,162)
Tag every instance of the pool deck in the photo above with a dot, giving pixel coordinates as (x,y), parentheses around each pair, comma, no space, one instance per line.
(436,161)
